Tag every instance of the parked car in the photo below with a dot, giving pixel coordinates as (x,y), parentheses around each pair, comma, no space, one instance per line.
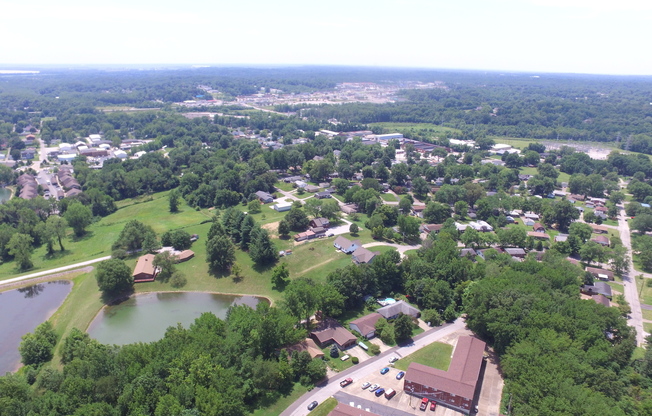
(380,392)
(393,359)
(365,385)
(345,357)
(346,382)
(384,370)
(312,405)
(424,404)
(433,405)
(400,375)
(374,387)
(390,393)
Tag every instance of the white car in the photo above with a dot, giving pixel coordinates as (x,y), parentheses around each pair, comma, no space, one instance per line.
(345,357)
(393,359)
(365,385)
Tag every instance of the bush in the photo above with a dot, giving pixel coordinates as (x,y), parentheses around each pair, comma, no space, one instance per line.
(374,349)
(178,280)
(431,316)
(355,360)
(119,254)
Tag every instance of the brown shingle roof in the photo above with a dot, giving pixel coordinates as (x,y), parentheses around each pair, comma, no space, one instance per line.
(330,330)
(462,374)
(145,266)
(367,323)
(306,345)
(346,410)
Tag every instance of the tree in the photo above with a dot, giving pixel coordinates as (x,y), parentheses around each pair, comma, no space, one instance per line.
(420,187)
(436,213)
(247,229)
(79,217)
(620,260)
(353,228)
(220,253)
(283,228)
(408,226)
(301,299)
(297,219)
(133,235)
(581,231)
(642,223)
(563,213)
(512,237)
(280,275)
(173,199)
(261,248)
(592,251)
(56,227)
(20,247)
(461,208)
(179,239)
(36,348)
(114,277)
(403,327)
(165,262)
(254,207)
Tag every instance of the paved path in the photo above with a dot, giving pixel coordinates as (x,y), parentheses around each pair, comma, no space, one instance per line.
(399,247)
(629,282)
(332,386)
(52,271)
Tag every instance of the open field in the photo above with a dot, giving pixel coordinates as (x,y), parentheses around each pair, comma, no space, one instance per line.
(436,355)
(427,129)
(151,210)
(563,177)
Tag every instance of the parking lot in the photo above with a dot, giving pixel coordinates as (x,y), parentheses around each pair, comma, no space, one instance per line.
(402,403)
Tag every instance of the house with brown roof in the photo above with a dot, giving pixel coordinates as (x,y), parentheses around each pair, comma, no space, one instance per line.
(429,228)
(601,239)
(330,331)
(601,274)
(456,387)
(515,252)
(145,270)
(320,222)
(599,229)
(537,235)
(350,208)
(366,326)
(307,345)
(363,255)
(602,300)
(538,227)
(185,255)
(306,235)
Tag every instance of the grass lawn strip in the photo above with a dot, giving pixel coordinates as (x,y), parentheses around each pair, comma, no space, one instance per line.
(436,355)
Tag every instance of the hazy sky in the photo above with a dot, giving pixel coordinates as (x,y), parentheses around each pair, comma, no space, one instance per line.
(588,36)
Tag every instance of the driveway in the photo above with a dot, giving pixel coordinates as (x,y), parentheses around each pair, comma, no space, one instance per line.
(51,271)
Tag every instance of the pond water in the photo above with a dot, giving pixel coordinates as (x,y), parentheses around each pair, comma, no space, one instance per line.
(5,194)
(22,310)
(144,318)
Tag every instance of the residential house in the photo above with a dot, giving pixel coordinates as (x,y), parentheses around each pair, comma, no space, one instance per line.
(366,326)
(482,226)
(330,331)
(264,197)
(392,311)
(307,345)
(601,274)
(345,245)
(602,300)
(429,228)
(323,195)
(282,206)
(363,255)
(306,235)
(538,236)
(515,252)
(320,222)
(417,210)
(468,252)
(531,216)
(538,227)
(597,288)
(601,239)
(185,255)
(599,229)
(311,188)
(528,222)
(455,388)
(145,270)
(350,208)
(561,237)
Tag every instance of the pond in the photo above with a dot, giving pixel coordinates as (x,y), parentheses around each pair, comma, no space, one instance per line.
(145,317)
(22,310)
(5,194)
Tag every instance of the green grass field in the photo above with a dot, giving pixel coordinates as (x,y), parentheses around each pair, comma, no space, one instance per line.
(388,197)
(152,210)
(436,355)
(428,129)
(563,177)
(325,407)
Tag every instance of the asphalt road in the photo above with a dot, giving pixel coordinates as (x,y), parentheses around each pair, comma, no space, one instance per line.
(332,386)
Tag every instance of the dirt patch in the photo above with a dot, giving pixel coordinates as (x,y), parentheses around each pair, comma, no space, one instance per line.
(272,229)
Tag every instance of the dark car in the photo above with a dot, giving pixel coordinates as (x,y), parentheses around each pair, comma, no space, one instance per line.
(380,392)
(312,405)
(384,370)
(400,375)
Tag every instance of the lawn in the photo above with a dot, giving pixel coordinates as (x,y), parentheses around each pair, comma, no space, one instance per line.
(336,364)
(275,408)
(284,186)
(436,355)
(563,177)
(647,314)
(387,197)
(325,407)
(151,210)
(423,129)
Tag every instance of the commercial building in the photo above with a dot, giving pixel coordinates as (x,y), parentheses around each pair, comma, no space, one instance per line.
(455,388)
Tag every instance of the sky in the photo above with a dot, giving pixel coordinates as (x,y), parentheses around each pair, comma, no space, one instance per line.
(576,36)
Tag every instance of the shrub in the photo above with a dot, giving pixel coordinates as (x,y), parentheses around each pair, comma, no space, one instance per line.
(178,280)
(374,349)
(355,360)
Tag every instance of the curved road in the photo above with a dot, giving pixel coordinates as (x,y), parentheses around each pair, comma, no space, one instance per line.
(357,372)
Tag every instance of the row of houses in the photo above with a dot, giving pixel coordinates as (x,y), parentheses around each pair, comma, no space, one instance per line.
(28,186)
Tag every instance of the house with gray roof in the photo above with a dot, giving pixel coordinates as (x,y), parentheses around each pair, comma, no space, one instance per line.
(393,310)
